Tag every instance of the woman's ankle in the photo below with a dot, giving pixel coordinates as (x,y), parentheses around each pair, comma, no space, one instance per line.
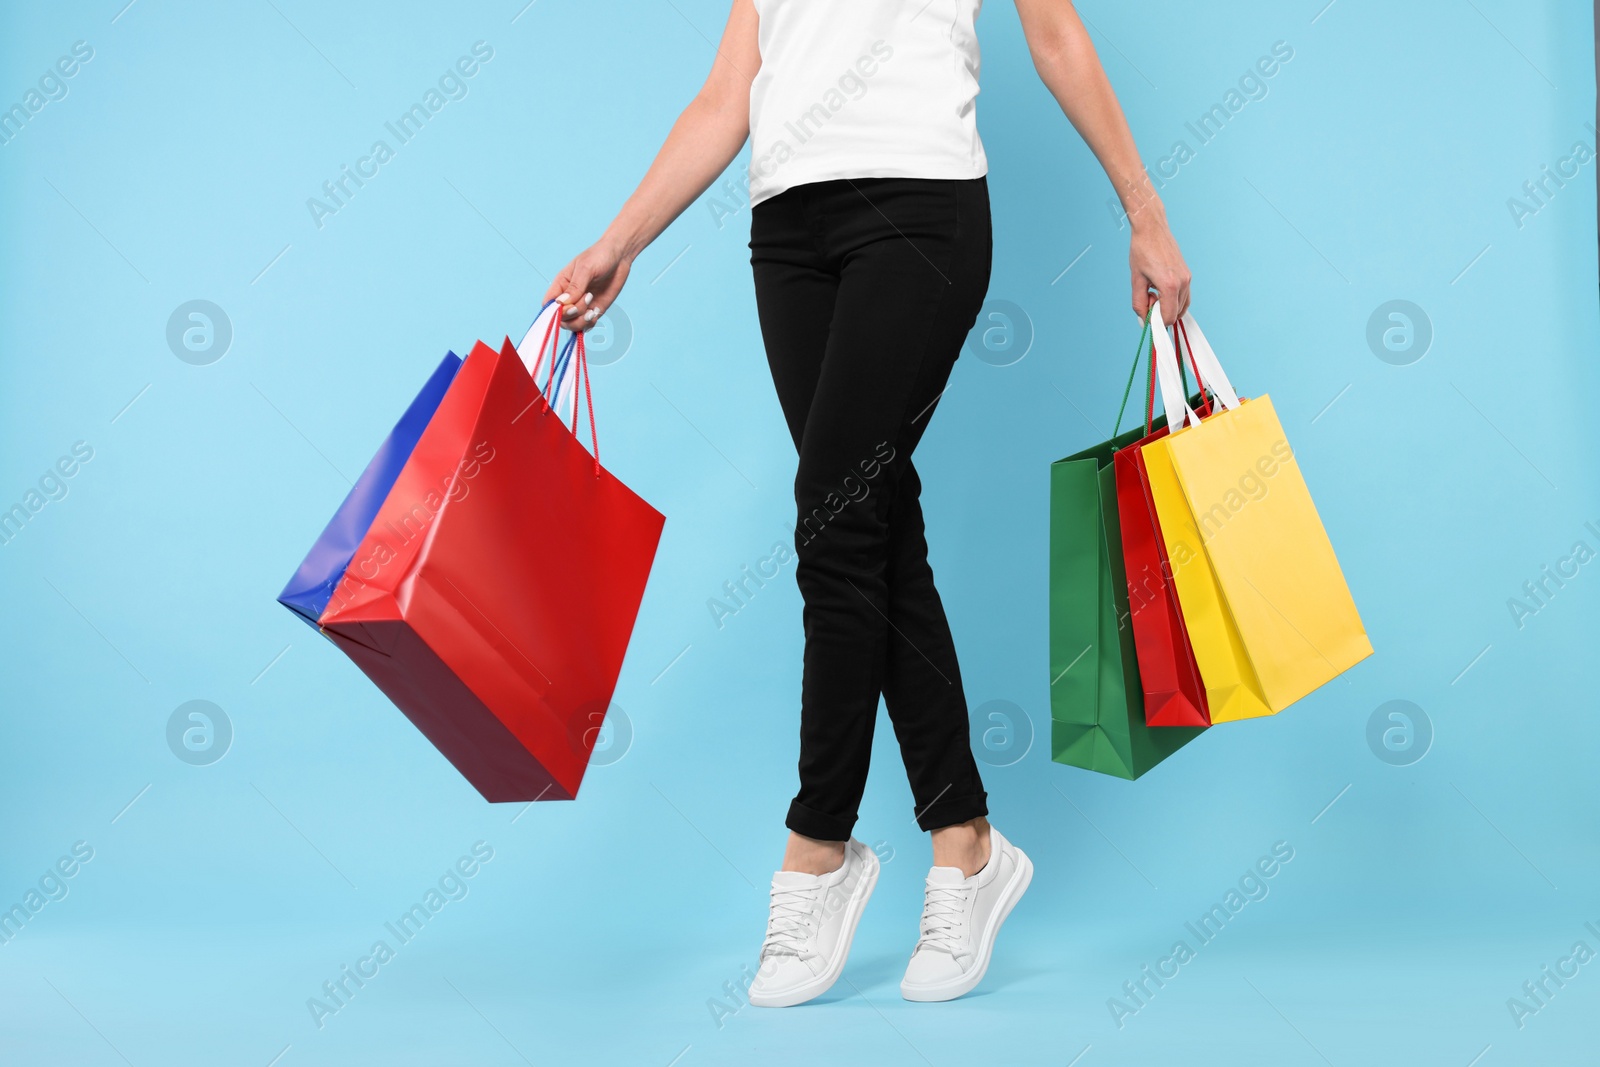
(964,846)
(807,855)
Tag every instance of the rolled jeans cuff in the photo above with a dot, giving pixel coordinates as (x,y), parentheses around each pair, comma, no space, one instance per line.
(808,822)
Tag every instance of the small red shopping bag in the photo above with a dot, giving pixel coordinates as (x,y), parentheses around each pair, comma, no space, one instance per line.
(1173,692)
(495,594)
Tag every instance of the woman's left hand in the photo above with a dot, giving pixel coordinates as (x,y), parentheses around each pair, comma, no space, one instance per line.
(1158,265)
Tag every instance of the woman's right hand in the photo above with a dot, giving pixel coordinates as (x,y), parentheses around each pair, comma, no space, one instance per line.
(589,285)
(706,138)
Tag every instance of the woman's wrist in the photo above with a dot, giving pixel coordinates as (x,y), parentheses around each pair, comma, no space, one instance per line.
(1146,212)
(1150,224)
(616,247)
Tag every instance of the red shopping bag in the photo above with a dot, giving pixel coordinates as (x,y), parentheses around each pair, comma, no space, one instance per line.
(1173,692)
(493,598)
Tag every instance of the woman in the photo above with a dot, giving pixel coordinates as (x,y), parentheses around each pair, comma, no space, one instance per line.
(870,242)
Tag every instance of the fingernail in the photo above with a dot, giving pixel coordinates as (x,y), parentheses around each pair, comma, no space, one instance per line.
(564,298)
(587,297)
(591,315)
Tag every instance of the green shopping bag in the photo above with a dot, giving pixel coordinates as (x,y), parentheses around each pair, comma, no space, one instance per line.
(1096,702)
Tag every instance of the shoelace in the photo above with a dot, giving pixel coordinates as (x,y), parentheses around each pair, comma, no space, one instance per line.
(942,911)
(792,923)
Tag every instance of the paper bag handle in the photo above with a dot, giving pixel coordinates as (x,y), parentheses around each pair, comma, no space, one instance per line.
(1206,368)
(533,354)
(533,359)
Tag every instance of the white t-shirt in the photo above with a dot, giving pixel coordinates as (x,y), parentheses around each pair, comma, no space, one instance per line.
(864,89)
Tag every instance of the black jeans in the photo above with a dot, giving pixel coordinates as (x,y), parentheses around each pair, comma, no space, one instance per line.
(866,289)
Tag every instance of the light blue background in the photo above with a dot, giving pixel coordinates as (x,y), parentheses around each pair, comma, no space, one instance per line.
(223,896)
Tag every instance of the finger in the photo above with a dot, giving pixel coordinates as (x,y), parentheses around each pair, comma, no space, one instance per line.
(583,322)
(1183,299)
(557,287)
(576,306)
(581,315)
(573,314)
(565,283)
(605,295)
(1141,297)
(576,281)
(1168,294)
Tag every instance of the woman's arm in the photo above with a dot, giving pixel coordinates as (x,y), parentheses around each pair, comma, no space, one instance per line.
(1066,61)
(704,140)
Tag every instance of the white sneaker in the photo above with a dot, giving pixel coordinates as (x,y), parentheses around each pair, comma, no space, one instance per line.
(960,918)
(809,929)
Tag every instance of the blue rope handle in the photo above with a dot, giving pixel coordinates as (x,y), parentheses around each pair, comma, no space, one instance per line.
(539,358)
(562,360)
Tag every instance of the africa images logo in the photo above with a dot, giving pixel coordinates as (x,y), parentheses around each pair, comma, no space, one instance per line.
(852,84)
(404,526)
(1252,886)
(1538,592)
(52,86)
(452,85)
(453,885)
(52,486)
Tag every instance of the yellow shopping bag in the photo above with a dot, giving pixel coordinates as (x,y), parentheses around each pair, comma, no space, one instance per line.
(1232,689)
(1267,608)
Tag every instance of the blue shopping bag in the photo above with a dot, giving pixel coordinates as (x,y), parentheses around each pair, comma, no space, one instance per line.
(309,591)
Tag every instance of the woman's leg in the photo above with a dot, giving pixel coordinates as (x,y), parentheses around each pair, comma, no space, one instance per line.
(928,709)
(794,299)
(922,684)
(911,259)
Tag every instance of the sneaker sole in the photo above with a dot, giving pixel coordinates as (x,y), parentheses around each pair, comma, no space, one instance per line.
(942,991)
(824,981)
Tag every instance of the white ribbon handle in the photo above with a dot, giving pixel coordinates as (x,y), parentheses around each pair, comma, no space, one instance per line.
(1206,365)
(533,344)
(1179,414)
(545,335)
